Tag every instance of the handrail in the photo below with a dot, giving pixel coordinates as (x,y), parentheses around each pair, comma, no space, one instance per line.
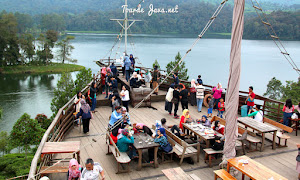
(34,162)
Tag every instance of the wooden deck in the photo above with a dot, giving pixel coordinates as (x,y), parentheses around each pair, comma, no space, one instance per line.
(281,160)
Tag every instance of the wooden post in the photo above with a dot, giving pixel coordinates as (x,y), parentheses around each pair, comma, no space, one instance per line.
(278,111)
(264,107)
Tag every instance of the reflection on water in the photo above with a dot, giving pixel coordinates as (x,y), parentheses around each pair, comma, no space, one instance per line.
(25,93)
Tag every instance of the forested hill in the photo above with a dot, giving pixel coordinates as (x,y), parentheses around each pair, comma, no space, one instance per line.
(81,6)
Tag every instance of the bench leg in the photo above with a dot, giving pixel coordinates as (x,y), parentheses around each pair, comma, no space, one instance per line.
(181,160)
(285,143)
(209,160)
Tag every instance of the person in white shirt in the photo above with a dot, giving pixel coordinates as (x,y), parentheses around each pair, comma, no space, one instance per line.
(199,95)
(125,97)
(169,97)
(148,78)
(258,114)
(92,171)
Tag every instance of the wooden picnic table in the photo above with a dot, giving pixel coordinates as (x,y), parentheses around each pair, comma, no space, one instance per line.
(62,147)
(253,169)
(199,129)
(178,174)
(261,128)
(145,141)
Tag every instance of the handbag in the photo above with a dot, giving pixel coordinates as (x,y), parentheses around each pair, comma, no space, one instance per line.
(298,158)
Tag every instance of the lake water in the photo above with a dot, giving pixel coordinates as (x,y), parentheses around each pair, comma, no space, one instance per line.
(261,61)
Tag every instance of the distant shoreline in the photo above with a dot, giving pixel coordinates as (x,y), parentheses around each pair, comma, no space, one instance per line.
(35,69)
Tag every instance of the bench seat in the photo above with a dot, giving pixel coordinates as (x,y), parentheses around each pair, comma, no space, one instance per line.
(122,158)
(223,175)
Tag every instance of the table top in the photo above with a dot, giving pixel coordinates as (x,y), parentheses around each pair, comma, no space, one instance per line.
(144,141)
(253,169)
(176,174)
(256,125)
(61,147)
(200,130)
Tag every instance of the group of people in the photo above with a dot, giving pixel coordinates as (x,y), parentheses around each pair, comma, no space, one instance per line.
(122,134)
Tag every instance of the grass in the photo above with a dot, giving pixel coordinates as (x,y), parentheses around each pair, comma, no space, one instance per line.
(35,69)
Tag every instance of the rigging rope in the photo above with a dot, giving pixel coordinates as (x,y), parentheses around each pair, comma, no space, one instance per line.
(273,35)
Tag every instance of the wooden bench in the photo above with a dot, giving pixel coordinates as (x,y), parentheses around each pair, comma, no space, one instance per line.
(54,169)
(222,174)
(208,155)
(121,157)
(179,174)
(182,149)
(279,134)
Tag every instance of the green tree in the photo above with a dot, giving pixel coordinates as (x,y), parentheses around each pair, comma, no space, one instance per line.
(54,22)
(43,120)
(291,91)
(156,64)
(274,89)
(82,79)
(3,141)
(65,49)
(63,92)
(9,48)
(46,43)
(180,69)
(26,132)
(1,112)
(27,45)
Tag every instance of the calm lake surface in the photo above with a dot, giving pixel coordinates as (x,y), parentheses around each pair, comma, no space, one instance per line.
(261,60)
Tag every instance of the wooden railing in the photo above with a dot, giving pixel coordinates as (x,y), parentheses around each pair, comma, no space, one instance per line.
(62,122)
(271,108)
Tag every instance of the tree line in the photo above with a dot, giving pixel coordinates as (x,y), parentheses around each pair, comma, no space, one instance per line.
(20,44)
(189,20)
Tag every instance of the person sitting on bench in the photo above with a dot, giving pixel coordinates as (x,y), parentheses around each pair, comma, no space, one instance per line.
(134,81)
(141,127)
(173,128)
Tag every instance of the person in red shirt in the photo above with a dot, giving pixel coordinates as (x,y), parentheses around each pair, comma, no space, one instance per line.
(250,100)
(221,108)
(219,127)
(185,118)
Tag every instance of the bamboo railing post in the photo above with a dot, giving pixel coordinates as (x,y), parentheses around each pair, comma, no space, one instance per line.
(278,111)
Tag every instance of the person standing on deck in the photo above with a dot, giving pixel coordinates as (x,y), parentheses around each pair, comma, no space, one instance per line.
(86,115)
(221,108)
(288,110)
(169,97)
(127,64)
(199,95)
(92,171)
(114,69)
(125,97)
(193,93)
(199,80)
(103,76)
(148,78)
(217,94)
(107,81)
(184,93)
(132,60)
(155,79)
(93,95)
(175,100)
(250,100)
(77,104)
(176,78)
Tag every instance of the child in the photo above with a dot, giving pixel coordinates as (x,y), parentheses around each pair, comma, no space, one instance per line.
(210,106)
(221,108)
(74,172)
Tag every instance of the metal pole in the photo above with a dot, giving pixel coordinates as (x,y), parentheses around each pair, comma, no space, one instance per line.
(126,21)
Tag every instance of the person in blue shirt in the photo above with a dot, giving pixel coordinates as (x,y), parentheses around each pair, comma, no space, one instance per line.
(114,118)
(132,60)
(113,69)
(199,80)
(127,64)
